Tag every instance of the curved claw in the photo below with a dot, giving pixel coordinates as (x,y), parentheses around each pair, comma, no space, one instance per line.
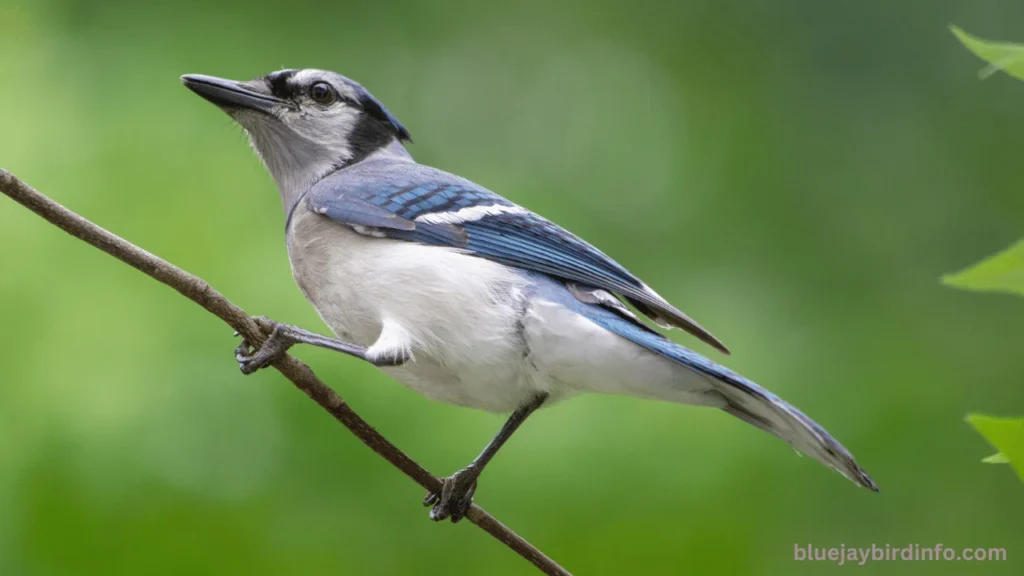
(431,498)
(455,498)
(242,351)
(271,350)
(247,361)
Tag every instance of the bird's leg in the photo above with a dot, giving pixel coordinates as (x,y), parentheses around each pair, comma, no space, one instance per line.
(284,336)
(457,492)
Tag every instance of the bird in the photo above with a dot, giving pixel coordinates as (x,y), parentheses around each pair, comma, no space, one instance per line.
(459,293)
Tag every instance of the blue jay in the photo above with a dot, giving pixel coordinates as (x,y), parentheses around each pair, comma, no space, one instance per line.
(457,292)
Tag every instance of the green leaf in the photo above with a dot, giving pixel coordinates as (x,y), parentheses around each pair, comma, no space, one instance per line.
(1006,435)
(1000,55)
(1002,272)
(997,458)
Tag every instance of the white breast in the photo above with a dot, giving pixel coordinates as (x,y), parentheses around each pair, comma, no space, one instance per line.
(461,314)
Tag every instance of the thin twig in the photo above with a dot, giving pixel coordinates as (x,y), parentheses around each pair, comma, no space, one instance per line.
(197,290)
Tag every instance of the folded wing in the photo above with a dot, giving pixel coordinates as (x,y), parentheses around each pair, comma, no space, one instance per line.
(408,201)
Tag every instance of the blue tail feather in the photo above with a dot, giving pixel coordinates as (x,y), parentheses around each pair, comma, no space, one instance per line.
(743,398)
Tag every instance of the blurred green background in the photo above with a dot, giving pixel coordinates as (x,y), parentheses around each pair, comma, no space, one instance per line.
(794,175)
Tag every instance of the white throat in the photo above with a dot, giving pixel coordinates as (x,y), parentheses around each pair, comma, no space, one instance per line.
(296,160)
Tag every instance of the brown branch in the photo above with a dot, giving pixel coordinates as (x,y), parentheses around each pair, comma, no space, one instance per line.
(197,290)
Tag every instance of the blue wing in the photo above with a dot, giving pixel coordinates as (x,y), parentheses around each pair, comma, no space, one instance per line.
(412,202)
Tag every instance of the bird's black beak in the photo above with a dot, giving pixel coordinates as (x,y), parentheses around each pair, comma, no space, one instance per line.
(232,95)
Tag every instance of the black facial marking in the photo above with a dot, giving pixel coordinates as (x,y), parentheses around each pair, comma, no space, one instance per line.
(377,110)
(278,82)
(375,128)
(374,109)
(368,136)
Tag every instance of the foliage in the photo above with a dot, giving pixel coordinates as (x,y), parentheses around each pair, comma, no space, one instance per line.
(1006,435)
(1001,272)
(1005,56)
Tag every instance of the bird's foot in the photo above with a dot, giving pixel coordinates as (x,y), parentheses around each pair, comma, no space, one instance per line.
(456,496)
(277,343)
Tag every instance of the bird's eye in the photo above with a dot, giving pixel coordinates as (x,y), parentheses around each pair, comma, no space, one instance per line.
(321,92)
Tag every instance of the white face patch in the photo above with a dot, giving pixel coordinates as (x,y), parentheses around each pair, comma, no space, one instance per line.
(299,147)
(470,214)
(328,129)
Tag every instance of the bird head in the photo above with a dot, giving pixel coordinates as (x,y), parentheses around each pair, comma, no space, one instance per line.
(303,123)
